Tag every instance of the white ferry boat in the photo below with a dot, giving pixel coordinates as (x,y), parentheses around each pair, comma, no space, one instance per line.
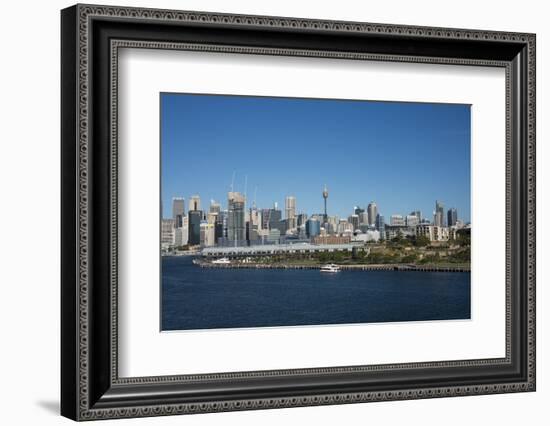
(330,268)
(222,261)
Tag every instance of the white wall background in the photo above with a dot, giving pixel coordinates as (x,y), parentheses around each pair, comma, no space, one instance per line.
(29,211)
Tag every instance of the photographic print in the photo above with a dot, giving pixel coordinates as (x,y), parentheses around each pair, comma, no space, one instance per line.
(306,212)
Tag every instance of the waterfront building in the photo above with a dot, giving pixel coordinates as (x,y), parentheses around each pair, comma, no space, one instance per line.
(236,228)
(365,237)
(439,214)
(331,239)
(394,231)
(435,233)
(178,211)
(274,236)
(206,234)
(195,217)
(397,220)
(452,217)
(181,235)
(167,232)
(275,249)
(220,227)
(313,228)
(372,211)
(195,203)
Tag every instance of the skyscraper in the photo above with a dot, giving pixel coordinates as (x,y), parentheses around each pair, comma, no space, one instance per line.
(452,217)
(381,226)
(195,203)
(275,217)
(178,211)
(290,212)
(439,214)
(354,220)
(195,217)
(254,224)
(236,228)
(215,207)
(397,220)
(372,210)
(313,228)
(167,232)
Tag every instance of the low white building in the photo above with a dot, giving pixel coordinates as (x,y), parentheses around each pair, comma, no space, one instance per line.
(436,233)
(365,237)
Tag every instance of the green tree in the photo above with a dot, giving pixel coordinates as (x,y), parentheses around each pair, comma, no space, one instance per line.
(421,241)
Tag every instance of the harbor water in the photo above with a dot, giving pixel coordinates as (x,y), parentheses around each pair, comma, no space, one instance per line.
(208,298)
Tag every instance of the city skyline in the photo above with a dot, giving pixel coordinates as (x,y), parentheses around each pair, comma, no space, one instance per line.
(360,154)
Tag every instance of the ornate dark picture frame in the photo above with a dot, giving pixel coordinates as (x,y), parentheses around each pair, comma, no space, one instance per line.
(90,385)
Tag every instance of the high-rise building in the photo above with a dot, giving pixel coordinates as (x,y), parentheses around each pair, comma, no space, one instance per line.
(236,228)
(301,219)
(364,218)
(397,220)
(358,210)
(167,233)
(354,220)
(220,228)
(215,207)
(344,227)
(195,217)
(452,217)
(439,214)
(254,224)
(195,203)
(372,210)
(265,218)
(313,228)
(290,212)
(418,214)
(411,220)
(181,236)
(207,234)
(380,225)
(178,211)
(275,216)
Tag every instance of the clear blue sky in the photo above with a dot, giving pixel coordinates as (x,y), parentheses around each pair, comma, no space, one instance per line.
(403,156)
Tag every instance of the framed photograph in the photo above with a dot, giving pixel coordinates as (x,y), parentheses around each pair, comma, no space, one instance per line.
(263,212)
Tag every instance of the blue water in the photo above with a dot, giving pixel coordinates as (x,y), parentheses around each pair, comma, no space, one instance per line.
(197,298)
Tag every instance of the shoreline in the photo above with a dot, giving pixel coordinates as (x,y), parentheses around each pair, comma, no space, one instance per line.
(373,267)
